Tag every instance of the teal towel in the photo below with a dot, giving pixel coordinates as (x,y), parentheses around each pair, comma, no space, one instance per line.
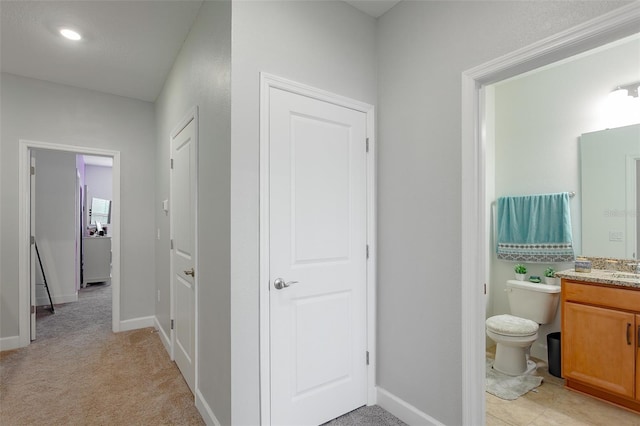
(535,228)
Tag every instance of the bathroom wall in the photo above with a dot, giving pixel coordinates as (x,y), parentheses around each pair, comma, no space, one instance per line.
(539,118)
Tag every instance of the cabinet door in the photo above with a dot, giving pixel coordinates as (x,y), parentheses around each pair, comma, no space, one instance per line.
(637,357)
(97,259)
(600,347)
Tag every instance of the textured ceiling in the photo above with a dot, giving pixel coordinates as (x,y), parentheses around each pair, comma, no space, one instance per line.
(128,46)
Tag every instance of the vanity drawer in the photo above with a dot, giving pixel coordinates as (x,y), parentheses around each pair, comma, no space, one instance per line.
(601,295)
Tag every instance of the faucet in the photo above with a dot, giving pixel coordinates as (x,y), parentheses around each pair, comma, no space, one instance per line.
(637,265)
(611,264)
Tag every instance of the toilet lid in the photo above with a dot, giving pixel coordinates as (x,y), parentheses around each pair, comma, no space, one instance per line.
(509,325)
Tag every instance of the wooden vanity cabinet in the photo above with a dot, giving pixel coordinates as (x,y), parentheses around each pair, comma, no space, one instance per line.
(600,338)
(637,357)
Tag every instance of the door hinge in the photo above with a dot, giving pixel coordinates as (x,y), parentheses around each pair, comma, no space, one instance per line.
(171,163)
(172,244)
(33,309)
(485,288)
(367,144)
(33,170)
(367,251)
(33,240)
(172,324)
(367,357)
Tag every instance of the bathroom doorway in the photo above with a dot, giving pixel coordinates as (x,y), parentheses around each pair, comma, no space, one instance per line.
(608,28)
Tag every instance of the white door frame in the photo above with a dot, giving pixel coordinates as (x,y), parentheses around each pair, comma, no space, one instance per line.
(192,114)
(24,246)
(268,81)
(609,27)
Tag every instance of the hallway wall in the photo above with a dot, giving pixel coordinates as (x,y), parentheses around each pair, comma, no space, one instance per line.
(423,48)
(201,77)
(47,112)
(329,45)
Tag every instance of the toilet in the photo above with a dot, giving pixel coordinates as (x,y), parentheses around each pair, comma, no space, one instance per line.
(530,304)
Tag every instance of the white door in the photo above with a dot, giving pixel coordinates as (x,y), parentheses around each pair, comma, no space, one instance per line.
(32,258)
(317,233)
(183,210)
(79,230)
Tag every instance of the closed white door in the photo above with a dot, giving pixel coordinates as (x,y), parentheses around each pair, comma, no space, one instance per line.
(32,260)
(183,228)
(317,233)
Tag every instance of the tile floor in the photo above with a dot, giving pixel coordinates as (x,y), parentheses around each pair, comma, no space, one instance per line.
(552,404)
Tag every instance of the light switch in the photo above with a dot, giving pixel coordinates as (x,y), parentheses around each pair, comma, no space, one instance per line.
(165,206)
(615,236)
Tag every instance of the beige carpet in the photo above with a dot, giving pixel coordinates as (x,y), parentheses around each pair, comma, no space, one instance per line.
(80,373)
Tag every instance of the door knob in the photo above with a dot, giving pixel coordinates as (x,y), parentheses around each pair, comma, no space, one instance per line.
(191,272)
(279,283)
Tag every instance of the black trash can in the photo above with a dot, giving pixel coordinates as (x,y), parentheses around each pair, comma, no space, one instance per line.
(554,354)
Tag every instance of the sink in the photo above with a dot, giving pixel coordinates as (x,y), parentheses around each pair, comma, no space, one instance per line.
(625,276)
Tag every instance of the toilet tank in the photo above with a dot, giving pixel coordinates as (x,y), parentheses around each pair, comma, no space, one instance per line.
(535,301)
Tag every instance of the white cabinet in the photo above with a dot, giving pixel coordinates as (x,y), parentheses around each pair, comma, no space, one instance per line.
(96,260)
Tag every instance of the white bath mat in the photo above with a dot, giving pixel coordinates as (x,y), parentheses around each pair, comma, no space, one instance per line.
(509,387)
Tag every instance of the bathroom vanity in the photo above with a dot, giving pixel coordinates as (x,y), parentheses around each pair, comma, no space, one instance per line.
(601,335)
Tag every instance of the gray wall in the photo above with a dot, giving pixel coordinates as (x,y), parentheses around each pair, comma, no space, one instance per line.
(329,45)
(423,47)
(47,112)
(201,77)
(55,216)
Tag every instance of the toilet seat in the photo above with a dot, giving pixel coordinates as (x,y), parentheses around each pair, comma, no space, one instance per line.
(509,325)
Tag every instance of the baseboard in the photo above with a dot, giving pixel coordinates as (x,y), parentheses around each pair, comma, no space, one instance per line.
(8,343)
(205,410)
(166,341)
(136,323)
(57,299)
(403,410)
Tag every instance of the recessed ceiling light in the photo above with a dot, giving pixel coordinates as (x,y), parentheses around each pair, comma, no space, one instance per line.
(70,34)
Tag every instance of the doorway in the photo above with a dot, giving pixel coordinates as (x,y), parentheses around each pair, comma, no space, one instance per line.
(24,169)
(615,25)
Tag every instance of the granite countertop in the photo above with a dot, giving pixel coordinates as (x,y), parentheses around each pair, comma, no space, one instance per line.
(602,276)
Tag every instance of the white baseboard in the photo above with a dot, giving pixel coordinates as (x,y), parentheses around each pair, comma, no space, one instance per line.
(136,323)
(403,410)
(166,341)
(205,410)
(8,343)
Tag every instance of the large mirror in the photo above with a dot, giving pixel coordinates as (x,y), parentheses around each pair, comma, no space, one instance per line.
(100,211)
(610,168)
